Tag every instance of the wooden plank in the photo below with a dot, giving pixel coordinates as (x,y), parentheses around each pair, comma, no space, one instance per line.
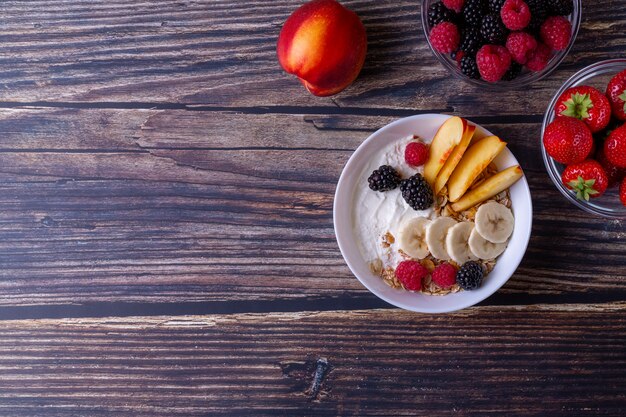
(531,361)
(222,54)
(137,206)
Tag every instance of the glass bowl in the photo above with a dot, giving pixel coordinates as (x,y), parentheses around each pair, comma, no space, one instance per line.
(526,77)
(598,76)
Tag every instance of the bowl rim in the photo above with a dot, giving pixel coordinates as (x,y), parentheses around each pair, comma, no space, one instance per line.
(555,61)
(550,163)
(345,237)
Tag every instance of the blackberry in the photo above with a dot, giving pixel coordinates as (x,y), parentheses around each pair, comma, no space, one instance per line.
(539,13)
(384,178)
(496,5)
(438,13)
(471,41)
(493,30)
(469,67)
(470,276)
(473,12)
(416,192)
(560,7)
(513,71)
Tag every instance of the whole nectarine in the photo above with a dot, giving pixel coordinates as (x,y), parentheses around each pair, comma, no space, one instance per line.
(324,45)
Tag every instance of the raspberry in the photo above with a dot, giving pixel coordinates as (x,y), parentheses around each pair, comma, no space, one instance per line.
(520,45)
(410,274)
(455,5)
(538,58)
(515,14)
(444,275)
(556,32)
(493,62)
(445,37)
(458,56)
(416,153)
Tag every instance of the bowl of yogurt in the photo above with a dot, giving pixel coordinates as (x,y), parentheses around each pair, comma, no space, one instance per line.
(363,218)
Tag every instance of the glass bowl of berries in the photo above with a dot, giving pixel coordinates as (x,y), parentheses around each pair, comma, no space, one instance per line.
(584,139)
(501,43)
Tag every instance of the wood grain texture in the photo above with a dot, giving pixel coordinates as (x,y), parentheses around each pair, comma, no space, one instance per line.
(562,361)
(139,206)
(222,54)
(156,163)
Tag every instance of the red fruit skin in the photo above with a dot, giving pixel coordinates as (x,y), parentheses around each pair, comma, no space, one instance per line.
(568,140)
(615,147)
(444,275)
(455,5)
(599,115)
(588,170)
(515,14)
(615,89)
(410,274)
(493,61)
(445,37)
(556,32)
(622,192)
(520,45)
(458,56)
(303,46)
(614,173)
(416,153)
(538,58)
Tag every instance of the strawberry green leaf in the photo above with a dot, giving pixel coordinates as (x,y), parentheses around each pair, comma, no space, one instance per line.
(584,188)
(577,105)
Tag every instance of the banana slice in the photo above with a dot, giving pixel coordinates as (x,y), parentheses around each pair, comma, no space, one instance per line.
(494,222)
(483,248)
(436,236)
(412,237)
(457,245)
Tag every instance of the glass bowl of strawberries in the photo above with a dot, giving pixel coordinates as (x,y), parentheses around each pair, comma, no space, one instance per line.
(500,43)
(584,139)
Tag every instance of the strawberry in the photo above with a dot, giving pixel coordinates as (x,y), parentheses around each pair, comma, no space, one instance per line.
(614,173)
(567,140)
(615,147)
(616,93)
(587,104)
(587,178)
(622,192)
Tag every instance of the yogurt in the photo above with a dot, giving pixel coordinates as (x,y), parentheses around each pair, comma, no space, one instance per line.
(376,213)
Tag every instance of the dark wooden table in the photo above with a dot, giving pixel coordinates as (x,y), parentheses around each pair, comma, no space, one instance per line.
(167,243)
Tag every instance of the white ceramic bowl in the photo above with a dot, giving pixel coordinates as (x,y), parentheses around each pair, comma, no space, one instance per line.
(424,125)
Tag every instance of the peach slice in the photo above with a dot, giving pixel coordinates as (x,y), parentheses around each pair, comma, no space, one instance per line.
(488,188)
(453,159)
(446,139)
(474,161)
